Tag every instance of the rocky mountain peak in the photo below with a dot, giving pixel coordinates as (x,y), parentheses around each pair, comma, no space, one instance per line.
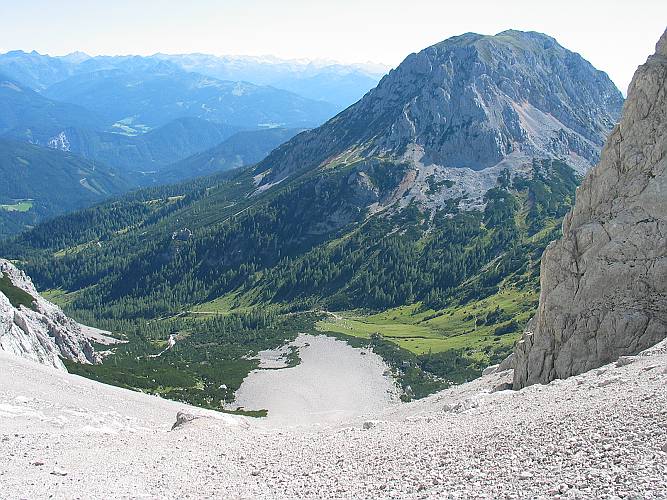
(472,102)
(604,284)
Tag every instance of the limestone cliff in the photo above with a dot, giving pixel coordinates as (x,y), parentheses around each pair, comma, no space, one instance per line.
(604,284)
(33,328)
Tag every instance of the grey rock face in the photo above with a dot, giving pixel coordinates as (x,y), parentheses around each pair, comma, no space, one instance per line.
(469,102)
(44,333)
(604,284)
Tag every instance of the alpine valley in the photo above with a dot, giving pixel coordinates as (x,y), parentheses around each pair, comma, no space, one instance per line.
(255,278)
(414,220)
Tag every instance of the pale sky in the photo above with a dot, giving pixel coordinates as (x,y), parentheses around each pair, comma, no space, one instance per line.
(614,35)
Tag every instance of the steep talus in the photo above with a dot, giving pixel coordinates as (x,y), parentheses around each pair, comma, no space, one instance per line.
(33,328)
(604,284)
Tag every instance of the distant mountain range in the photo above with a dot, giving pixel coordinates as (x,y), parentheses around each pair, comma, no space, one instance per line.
(139,115)
(337,84)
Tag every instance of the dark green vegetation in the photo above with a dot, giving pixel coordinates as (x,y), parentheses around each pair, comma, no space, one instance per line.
(209,247)
(17,297)
(53,182)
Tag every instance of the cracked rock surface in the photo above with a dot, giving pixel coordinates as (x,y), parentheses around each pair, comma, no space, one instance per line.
(604,284)
(42,333)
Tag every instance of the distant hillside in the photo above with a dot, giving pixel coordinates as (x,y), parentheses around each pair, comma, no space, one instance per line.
(138,157)
(142,100)
(242,148)
(38,183)
(32,117)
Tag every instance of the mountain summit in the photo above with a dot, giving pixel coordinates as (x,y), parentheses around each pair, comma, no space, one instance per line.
(471,102)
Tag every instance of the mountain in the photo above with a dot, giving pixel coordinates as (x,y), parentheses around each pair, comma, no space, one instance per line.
(472,102)
(604,284)
(141,100)
(433,263)
(140,157)
(27,115)
(33,328)
(39,183)
(339,84)
(241,149)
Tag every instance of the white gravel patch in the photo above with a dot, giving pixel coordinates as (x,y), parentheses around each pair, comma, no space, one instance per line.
(602,434)
(100,336)
(333,382)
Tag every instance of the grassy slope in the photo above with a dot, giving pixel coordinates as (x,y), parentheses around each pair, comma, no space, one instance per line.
(21,206)
(17,297)
(453,328)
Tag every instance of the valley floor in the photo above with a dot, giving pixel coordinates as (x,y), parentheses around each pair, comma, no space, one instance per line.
(602,434)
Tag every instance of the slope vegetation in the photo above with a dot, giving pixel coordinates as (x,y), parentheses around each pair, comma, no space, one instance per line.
(39,183)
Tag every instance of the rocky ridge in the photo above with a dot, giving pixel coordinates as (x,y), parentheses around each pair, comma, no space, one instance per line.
(40,332)
(604,284)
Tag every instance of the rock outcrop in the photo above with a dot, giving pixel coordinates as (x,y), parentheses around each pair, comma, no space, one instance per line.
(604,284)
(33,328)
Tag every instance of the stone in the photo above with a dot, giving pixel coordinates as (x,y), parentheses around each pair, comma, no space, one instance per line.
(490,369)
(42,332)
(625,360)
(604,284)
(507,363)
(503,386)
(183,418)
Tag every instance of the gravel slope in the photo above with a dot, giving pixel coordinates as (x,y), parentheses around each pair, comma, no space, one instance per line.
(602,434)
(333,382)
